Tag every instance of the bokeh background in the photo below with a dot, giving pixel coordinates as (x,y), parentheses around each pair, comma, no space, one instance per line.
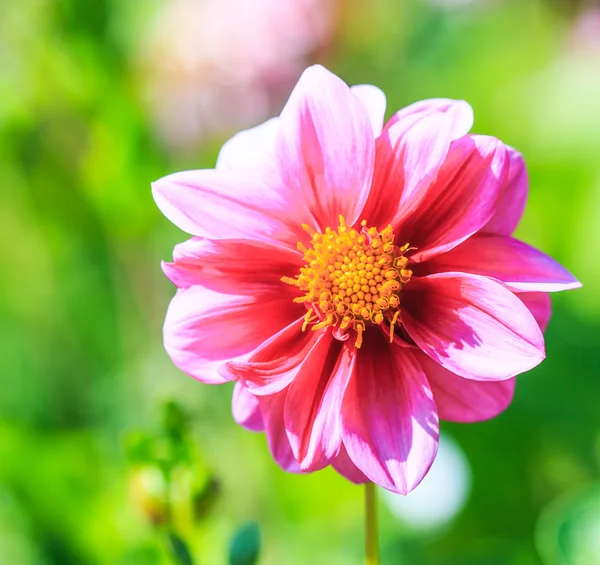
(98,429)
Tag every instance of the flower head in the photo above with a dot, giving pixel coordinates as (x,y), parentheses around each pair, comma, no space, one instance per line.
(357,281)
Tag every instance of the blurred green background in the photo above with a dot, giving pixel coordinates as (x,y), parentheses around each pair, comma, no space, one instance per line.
(98,99)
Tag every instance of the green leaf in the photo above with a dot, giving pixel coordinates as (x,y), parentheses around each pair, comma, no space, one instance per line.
(204,498)
(244,548)
(175,421)
(139,447)
(180,550)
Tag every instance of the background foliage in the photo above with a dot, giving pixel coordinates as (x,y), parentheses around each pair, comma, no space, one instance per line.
(96,469)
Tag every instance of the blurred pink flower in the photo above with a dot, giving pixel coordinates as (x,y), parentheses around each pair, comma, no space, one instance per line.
(357,281)
(585,35)
(218,65)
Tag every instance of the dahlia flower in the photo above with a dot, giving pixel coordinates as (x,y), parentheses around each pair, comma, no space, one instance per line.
(357,281)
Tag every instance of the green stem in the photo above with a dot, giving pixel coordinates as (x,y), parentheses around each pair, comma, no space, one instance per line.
(371,534)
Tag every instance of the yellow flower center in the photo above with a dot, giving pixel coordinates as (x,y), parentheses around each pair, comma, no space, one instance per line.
(352,278)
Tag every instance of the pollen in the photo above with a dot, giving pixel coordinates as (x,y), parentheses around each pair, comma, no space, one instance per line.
(352,279)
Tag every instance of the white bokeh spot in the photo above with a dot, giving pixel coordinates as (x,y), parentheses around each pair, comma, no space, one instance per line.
(442,493)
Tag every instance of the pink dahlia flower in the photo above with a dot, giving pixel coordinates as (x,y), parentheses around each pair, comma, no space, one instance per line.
(357,281)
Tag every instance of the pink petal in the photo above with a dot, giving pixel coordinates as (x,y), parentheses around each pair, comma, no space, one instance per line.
(518,265)
(539,305)
(374,102)
(345,467)
(461,200)
(407,161)
(389,420)
(204,329)
(282,358)
(245,409)
(224,204)
(464,400)
(409,154)
(313,406)
(252,150)
(231,265)
(279,445)
(326,148)
(472,326)
(514,197)
(459,113)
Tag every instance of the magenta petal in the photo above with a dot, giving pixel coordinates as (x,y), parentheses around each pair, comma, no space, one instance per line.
(465,400)
(279,445)
(224,204)
(245,409)
(389,419)
(472,326)
(204,329)
(326,148)
(461,200)
(539,305)
(313,406)
(282,358)
(409,154)
(518,265)
(514,197)
(231,265)
(374,102)
(345,467)
(407,161)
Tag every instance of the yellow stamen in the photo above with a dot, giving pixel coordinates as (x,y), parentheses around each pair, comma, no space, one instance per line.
(326,322)
(351,278)
(308,318)
(360,328)
(290,280)
(392,324)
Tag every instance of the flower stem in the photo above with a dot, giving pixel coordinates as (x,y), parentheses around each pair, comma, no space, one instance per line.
(371,536)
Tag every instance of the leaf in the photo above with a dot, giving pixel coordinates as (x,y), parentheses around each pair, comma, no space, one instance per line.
(139,447)
(175,421)
(244,548)
(204,498)
(180,550)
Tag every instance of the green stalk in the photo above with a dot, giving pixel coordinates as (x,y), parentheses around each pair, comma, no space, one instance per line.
(371,534)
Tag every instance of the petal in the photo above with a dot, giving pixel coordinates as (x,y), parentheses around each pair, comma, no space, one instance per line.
(345,467)
(514,197)
(326,148)
(539,305)
(252,150)
(203,329)
(230,265)
(245,409)
(374,102)
(461,200)
(407,161)
(472,326)
(272,410)
(518,265)
(459,113)
(389,420)
(282,358)
(409,154)
(313,407)
(464,400)
(224,204)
